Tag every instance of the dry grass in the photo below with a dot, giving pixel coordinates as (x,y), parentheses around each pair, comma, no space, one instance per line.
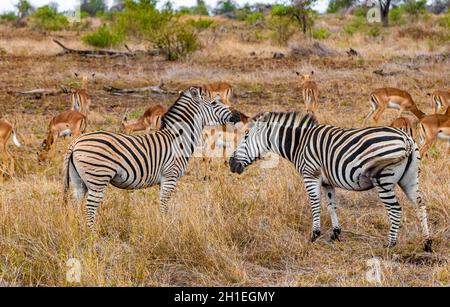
(232,230)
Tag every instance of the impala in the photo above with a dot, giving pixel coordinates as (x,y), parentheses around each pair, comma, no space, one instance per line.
(404,124)
(151,119)
(80,98)
(391,98)
(440,99)
(310,92)
(433,127)
(6,131)
(222,89)
(64,124)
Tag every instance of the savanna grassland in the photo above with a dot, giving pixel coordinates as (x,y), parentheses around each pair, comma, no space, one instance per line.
(252,229)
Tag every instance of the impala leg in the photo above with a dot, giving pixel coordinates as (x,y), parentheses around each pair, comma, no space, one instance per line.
(377,115)
(331,206)
(11,165)
(312,186)
(166,189)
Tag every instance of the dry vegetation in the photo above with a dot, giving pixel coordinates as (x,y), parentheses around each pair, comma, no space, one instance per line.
(232,230)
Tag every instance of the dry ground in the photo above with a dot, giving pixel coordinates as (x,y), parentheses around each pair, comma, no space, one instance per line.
(251,229)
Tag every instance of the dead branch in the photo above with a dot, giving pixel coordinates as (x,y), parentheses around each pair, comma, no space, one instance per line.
(156,89)
(382,73)
(93,53)
(40,93)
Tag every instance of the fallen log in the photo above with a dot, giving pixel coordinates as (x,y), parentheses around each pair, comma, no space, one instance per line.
(93,53)
(40,93)
(156,89)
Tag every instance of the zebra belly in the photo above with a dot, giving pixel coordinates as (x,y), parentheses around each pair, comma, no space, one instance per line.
(120,181)
(362,183)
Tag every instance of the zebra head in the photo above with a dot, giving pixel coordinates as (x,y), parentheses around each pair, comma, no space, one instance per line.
(254,144)
(213,112)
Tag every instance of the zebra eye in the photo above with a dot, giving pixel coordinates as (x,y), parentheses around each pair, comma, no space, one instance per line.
(214,103)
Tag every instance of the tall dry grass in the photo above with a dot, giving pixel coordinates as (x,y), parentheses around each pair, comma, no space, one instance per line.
(251,229)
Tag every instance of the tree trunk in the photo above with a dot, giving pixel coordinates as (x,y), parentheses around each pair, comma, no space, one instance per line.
(384,10)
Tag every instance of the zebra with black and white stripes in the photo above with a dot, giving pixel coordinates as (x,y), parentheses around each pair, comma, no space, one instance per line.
(329,157)
(98,159)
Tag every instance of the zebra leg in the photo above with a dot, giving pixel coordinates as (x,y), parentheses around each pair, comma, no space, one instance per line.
(386,193)
(94,199)
(331,206)
(312,186)
(166,189)
(410,186)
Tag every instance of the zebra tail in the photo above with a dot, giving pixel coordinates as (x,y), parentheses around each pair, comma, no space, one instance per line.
(66,174)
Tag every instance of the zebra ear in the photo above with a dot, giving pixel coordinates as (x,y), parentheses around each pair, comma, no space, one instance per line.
(195,93)
(262,117)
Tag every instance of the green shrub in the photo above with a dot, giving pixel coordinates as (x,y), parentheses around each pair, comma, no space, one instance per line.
(9,16)
(201,24)
(374,30)
(321,33)
(357,24)
(103,37)
(396,16)
(254,18)
(282,29)
(444,21)
(48,18)
(175,41)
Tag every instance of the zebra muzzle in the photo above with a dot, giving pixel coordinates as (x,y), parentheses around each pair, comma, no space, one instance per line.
(235,166)
(235,117)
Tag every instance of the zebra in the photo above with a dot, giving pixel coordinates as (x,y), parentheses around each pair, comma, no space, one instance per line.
(98,159)
(351,159)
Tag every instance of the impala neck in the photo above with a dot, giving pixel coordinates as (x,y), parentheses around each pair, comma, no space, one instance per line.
(419,114)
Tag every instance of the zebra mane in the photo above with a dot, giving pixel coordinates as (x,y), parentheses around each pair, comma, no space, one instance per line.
(291,119)
(186,94)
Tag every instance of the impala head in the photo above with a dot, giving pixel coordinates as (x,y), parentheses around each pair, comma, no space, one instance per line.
(43,151)
(85,79)
(306,77)
(213,112)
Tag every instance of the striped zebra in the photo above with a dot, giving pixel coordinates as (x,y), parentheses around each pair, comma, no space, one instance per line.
(351,159)
(98,159)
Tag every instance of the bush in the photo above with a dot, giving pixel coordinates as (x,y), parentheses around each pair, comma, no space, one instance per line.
(9,16)
(374,30)
(357,24)
(201,24)
(444,21)
(321,33)
(254,18)
(282,29)
(396,16)
(48,18)
(175,41)
(103,37)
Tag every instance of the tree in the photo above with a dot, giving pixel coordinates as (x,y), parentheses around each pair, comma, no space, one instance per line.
(24,8)
(384,10)
(225,6)
(92,7)
(200,8)
(300,12)
(336,5)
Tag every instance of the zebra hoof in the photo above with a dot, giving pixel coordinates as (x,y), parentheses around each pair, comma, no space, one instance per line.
(315,235)
(335,235)
(389,244)
(427,246)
